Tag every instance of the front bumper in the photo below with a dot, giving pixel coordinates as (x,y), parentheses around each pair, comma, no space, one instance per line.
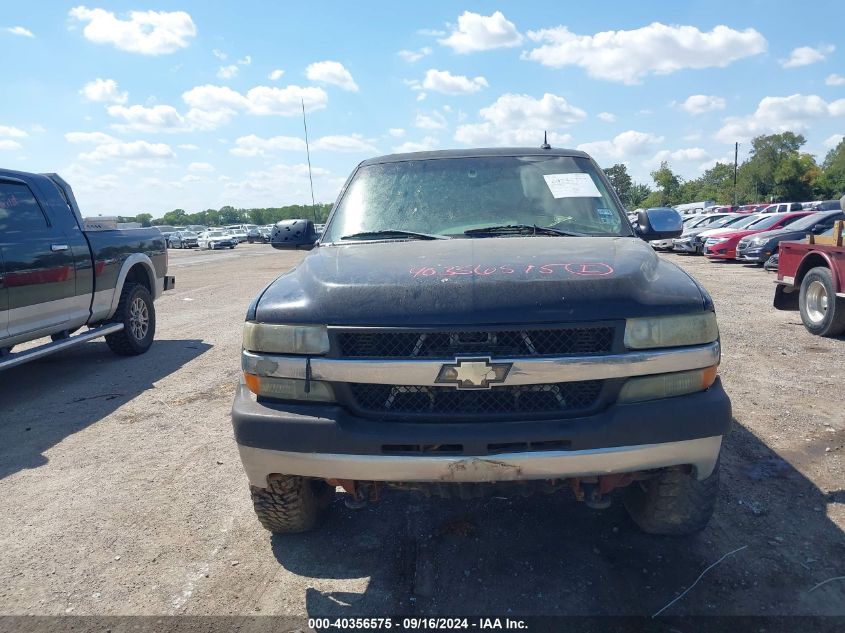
(758,254)
(684,245)
(701,454)
(661,244)
(719,251)
(326,441)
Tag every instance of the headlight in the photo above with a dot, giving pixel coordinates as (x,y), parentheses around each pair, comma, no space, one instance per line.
(758,240)
(286,339)
(289,388)
(673,331)
(666,385)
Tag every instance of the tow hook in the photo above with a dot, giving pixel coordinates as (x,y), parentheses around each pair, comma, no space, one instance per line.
(593,497)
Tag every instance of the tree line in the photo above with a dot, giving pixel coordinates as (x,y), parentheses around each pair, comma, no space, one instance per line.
(776,170)
(230,215)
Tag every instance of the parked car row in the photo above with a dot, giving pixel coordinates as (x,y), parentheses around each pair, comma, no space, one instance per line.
(751,238)
(804,246)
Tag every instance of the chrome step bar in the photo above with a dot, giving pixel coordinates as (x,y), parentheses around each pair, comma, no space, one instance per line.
(13,360)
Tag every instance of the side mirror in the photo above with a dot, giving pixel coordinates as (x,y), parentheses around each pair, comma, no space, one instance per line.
(659,224)
(293,235)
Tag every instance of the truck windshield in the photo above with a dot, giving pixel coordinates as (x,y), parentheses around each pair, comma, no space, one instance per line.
(450,196)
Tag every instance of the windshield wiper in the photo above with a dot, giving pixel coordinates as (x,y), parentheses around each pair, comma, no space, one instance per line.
(522,229)
(387,233)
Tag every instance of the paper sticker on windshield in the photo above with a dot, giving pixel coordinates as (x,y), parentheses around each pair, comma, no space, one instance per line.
(606,216)
(572,185)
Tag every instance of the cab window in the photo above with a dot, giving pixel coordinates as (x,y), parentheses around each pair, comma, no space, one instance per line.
(19,210)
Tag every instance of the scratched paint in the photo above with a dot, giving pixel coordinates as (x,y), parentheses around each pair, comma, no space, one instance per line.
(577,269)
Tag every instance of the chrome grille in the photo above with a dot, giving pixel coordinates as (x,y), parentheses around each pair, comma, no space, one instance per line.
(447,344)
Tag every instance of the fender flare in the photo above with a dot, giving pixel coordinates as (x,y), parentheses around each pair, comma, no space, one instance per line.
(805,266)
(132,260)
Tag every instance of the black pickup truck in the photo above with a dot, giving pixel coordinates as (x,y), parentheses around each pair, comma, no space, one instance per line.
(482,321)
(60,273)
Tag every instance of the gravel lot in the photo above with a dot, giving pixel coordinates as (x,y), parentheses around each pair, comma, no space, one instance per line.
(123,493)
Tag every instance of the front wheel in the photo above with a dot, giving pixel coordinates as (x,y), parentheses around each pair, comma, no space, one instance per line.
(137,313)
(673,502)
(291,504)
(822,312)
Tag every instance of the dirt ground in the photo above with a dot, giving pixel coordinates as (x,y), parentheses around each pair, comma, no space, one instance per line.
(122,492)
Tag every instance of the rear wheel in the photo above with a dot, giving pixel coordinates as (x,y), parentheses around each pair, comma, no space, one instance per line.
(822,312)
(291,504)
(673,502)
(137,313)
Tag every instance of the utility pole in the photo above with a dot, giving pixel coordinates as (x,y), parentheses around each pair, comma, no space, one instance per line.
(736,160)
(308,153)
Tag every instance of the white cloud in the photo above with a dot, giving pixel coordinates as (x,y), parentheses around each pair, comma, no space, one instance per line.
(331,72)
(607,117)
(201,167)
(413,56)
(427,144)
(134,150)
(220,55)
(421,96)
(7,145)
(12,132)
(624,145)
(228,72)
(281,184)
(806,55)
(276,74)
(518,119)
(253,145)
(476,32)
(19,30)
(447,83)
(780,114)
(396,132)
(191,178)
(211,106)
(145,32)
(629,56)
(104,90)
(832,141)
(699,104)
(835,80)
(93,138)
(246,60)
(431,32)
(158,118)
(188,147)
(687,155)
(432,121)
(340,143)
(264,100)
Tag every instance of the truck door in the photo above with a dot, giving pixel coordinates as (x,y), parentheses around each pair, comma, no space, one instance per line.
(39,275)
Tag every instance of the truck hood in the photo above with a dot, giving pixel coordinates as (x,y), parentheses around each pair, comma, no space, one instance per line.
(504,280)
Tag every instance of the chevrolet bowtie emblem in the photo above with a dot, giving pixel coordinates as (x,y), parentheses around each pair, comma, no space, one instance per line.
(473,373)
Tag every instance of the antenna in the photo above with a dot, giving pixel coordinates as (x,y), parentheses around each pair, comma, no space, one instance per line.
(308,154)
(545,144)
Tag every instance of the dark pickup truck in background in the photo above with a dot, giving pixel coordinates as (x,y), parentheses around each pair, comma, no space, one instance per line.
(479,321)
(59,273)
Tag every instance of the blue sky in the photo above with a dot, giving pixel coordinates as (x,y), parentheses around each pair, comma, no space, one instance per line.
(150,106)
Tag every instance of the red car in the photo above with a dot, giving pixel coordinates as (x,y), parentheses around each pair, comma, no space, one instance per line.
(751,208)
(722,244)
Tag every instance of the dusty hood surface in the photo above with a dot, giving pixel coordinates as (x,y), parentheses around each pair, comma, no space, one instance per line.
(479,281)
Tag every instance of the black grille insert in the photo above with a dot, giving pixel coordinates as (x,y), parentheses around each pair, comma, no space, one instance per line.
(508,343)
(448,401)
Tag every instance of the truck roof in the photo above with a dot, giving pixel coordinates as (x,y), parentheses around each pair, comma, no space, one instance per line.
(474,153)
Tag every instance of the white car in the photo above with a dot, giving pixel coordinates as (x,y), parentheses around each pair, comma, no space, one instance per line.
(212,240)
(239,235)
